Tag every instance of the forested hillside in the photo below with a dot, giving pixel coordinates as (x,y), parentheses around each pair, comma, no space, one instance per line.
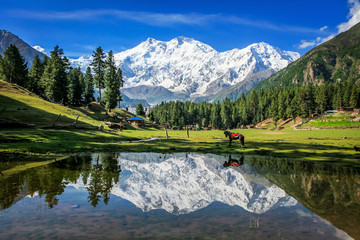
(336,60)
(277,103)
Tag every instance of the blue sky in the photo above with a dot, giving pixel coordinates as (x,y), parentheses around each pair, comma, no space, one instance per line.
(80,26)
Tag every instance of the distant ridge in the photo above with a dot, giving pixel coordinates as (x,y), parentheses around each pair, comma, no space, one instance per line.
(29,53)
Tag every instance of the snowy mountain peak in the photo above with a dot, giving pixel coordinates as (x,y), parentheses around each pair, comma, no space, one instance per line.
(185,65)
(40,49)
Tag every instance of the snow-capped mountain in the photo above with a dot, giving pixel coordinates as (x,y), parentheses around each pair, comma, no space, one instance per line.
(181,184)
(40,49)
(187,66)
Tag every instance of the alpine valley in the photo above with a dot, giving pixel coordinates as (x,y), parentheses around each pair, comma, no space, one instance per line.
(186,69)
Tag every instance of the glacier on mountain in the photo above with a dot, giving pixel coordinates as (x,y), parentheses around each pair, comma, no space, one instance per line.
(184,183)
(185,65)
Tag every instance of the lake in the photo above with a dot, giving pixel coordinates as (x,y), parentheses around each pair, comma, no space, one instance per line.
(178,196)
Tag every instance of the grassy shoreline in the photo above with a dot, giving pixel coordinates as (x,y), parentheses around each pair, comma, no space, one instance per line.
(319,145)
(22,106)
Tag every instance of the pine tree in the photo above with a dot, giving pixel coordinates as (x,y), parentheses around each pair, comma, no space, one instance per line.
(281,105)
(140,110)
(54,78)
(13,67)
(354,98)
(307,103)
(215,118)
(89,87)
(121,83)
(35,74)
(321,99)
(98,65)
(75,90)
(252,104)
(225,113)
(337,97)
(112,83)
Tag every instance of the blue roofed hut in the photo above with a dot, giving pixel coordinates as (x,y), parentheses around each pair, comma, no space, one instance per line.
(136,121)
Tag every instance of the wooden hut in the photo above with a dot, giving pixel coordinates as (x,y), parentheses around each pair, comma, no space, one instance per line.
(136,121)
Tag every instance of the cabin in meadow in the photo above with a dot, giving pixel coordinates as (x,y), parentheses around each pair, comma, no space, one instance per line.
(136,121)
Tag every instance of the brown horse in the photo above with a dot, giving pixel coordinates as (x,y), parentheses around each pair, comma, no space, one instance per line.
(235,136)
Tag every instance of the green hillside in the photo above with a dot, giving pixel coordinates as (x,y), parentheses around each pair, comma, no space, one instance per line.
(335,60)
(20,105)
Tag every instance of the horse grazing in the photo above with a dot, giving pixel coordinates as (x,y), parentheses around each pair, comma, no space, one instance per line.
(235,136)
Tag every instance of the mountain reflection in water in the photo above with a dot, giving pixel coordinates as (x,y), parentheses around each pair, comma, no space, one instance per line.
(185,184)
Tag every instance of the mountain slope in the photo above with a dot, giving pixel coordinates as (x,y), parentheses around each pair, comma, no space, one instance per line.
(29,53)
(191,68)
(152,94)
(335,60)
(23,106)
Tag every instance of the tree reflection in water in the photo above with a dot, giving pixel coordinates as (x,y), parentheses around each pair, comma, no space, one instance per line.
(331,191)
(328,190)
(104,175)
(51,180)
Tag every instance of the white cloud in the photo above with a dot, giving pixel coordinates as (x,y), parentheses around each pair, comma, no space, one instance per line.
(354,18)
(316,42)
(305,44)
(324,28)
(325,39)
(153,19)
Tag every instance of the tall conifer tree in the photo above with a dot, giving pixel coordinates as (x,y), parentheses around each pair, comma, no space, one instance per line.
(75,78)
(98,65)
(354,98)
(89,87)
(13,67)
(35,74)
(54,79)
(121,84)
(225,113)
(140,110)
(112,83)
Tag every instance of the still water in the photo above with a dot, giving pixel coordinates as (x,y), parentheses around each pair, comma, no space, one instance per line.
(179,196)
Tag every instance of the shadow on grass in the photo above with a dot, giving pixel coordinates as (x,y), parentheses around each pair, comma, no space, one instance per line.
(21,112)
(61,141)
(65,141)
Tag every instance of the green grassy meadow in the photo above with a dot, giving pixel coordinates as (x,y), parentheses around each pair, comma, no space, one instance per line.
(333,121)
(321,145)
(21,105)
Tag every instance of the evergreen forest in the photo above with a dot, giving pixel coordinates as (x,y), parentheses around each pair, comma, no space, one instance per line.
(54,80)
(256,106)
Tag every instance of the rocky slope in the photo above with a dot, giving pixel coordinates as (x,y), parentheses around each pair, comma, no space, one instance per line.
(29,53)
